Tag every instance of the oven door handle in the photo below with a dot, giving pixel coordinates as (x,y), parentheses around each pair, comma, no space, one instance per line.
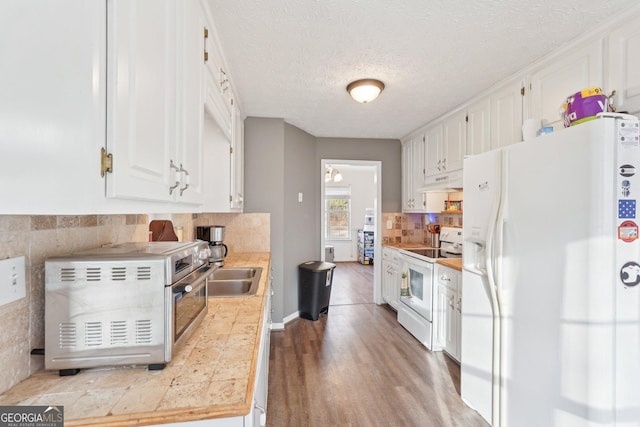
(192,282)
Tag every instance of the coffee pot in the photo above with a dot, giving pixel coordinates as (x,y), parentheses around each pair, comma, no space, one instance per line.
(214,234)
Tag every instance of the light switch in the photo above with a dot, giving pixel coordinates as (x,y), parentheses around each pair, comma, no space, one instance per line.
(300,197)
(389,224)
(12,283)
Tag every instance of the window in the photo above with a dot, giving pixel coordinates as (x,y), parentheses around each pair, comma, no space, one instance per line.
(337,208)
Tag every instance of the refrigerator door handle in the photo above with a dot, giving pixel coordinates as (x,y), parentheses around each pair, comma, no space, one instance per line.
(492,254)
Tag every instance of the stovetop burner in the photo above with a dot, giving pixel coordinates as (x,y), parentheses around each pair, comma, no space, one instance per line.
(434,253)
(429,253)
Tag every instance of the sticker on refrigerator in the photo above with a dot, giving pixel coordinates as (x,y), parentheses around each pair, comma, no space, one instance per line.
(627,170)
(628,231)
(630,274)
(625,188)
(626,209)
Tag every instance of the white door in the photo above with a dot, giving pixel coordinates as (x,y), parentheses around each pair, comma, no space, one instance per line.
(433,150)
(506,115)
(141,98)
(479,135)
(454,141)
(624,67)
(190,104)
(482,188)
(575,71)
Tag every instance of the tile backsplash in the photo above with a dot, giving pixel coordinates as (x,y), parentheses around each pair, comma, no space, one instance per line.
(41,236)
(412,227)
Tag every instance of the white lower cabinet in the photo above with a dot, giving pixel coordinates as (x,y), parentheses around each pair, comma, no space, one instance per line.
(448,313)
(258,415)
(391,276)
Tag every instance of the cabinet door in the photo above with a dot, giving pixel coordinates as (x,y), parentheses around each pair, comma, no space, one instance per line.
(624,67)
(478,127)
(506,115)
(217,173)
(433,150)
(141,98)
(455,134)
(237,162)
(417,154)
(442,316)
(407,176)
(190,101)
(564,76)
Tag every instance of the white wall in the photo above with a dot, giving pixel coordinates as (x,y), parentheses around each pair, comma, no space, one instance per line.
(363,195)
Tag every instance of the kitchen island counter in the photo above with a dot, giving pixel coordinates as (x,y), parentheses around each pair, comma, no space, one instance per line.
(211,376)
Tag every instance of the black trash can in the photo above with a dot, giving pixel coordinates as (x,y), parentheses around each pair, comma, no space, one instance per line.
(314,288)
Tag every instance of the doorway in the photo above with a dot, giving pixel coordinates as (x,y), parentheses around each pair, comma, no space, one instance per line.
(352,191)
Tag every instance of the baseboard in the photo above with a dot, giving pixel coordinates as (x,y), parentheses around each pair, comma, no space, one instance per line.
(292,316)
(289,318)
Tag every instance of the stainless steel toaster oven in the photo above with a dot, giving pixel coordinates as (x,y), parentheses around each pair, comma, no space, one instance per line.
(126,304)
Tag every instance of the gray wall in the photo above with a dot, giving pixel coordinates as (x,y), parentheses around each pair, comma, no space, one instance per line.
(281,161)
(302,232)
(264,191)
(388,151)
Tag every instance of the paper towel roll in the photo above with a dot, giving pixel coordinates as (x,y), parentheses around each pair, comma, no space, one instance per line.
(530,128)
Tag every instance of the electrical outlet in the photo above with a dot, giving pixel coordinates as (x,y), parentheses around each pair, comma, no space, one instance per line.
(12,280)
(389,224)
(300,197)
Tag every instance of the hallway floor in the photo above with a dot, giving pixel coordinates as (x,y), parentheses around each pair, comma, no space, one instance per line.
(357,366)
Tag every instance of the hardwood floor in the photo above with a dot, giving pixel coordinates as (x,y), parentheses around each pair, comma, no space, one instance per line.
(357,366)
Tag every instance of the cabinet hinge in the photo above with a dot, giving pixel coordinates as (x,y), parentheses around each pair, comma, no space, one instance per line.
(466,118)
(522,91)
(106,162)
(230,150)
(230,198)
(206,36)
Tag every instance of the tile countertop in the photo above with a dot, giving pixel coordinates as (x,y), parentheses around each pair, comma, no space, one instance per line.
(455,263)
(212,375)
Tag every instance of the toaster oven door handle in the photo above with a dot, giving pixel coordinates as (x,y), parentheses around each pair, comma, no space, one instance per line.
(193,280)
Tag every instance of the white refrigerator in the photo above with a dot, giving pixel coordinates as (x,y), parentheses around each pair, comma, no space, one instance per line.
(551,266)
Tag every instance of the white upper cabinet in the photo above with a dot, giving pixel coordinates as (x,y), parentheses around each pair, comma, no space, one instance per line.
(433,150)
(624,67)
(412,174)
(478,127)
(190,96)
(141,99)
(444,146)
(237,162)
(565,75)
(52,106)
(169,121)
(506,114)
(454,141)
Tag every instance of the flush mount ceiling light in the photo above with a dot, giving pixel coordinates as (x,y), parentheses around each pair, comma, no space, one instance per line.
(365,90)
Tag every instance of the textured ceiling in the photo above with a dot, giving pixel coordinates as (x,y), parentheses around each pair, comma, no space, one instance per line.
(293,59)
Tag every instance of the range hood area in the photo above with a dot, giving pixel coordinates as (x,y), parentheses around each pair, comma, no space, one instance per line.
(449,182)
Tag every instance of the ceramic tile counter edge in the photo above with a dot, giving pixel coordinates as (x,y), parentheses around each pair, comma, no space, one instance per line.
(455,263)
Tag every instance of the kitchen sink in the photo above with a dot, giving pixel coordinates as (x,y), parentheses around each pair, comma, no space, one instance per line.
(235,273)
(232,282)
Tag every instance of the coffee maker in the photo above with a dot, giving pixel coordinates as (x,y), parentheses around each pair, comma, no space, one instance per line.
(214,234)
